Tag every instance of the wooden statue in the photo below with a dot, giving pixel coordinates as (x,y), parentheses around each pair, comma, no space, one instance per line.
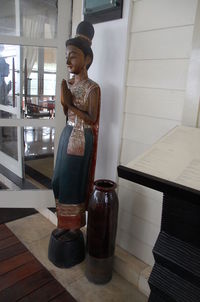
(76,158)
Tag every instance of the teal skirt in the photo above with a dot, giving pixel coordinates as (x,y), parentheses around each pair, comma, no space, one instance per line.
(71,174)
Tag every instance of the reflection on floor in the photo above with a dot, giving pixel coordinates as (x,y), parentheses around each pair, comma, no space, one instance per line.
(38,153)
(39,149)
(8,141)
(34,231)
(40,170)
(38,141)
(42,165)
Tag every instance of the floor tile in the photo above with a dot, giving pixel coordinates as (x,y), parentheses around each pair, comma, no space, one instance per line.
(117,290)
(31,228)
(143,281)
(34,231)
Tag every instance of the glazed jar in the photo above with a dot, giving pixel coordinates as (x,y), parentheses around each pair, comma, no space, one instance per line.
(101,231)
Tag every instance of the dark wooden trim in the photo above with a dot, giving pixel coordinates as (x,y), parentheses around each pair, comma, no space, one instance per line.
(4,232)
(159,184)
(25,286)
(10,214)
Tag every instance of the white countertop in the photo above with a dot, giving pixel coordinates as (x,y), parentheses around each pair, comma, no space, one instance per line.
(175,157)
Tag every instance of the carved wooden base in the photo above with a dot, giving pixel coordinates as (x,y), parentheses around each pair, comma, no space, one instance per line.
(66,248)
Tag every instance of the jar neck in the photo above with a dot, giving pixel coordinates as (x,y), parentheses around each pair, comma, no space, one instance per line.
(105,185)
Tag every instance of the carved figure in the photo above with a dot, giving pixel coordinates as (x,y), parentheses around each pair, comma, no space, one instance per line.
(76,158)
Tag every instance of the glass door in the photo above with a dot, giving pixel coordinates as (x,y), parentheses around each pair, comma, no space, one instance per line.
(32,50)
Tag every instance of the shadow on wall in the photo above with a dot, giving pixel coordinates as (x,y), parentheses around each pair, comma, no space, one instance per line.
(107,131)
(108,71)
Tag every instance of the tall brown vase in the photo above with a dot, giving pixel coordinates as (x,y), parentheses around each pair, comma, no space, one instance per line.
(101,231)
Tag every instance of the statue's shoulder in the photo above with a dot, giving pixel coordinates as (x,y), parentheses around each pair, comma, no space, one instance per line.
(90,87)
(92,84)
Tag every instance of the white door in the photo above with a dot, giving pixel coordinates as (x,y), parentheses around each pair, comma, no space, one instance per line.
(11,139)
(30,30)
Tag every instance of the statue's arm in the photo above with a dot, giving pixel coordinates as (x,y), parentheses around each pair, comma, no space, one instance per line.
(93,105)
(89,116)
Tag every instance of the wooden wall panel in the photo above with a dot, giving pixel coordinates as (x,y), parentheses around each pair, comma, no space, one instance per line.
(166,74)
(162,43)
(140,205)
(166,104)
(154,14)
(146,129)
(135,247)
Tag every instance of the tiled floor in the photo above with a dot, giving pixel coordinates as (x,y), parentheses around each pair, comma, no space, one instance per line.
(34,231)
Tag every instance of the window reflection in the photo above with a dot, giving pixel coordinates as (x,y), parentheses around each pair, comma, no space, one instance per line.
(40,82)
(38,18)
(8,18)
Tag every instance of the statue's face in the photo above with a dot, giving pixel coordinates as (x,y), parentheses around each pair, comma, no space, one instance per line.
(75,59)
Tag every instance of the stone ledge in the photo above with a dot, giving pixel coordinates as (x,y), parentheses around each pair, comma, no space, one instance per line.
(132,269)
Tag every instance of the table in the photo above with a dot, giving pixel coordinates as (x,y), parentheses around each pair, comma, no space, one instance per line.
(172,166)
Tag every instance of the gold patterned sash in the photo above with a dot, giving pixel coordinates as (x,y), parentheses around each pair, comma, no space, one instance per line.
(76,144)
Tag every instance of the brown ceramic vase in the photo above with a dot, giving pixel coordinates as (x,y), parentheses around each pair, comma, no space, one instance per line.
(101,231)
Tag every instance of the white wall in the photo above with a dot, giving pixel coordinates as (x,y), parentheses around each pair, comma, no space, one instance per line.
(160,44)
(108,70)
(191,112)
